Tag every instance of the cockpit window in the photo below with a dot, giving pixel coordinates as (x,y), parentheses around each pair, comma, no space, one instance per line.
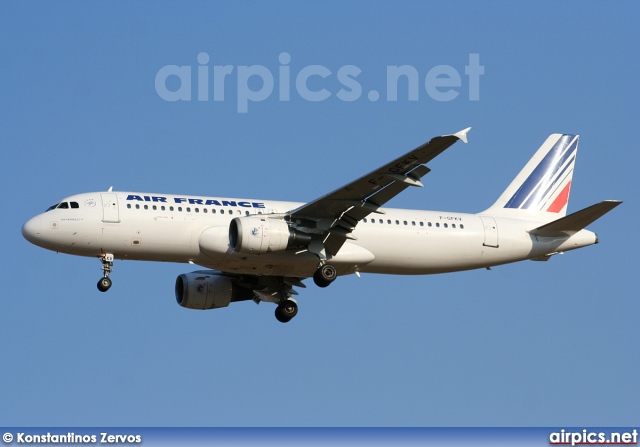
(63,206)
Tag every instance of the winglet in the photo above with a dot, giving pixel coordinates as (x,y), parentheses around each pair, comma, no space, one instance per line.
(462,135)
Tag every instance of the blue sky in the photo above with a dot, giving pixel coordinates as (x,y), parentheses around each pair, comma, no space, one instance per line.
(527,344)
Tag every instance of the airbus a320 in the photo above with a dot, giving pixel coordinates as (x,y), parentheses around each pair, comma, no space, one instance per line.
(259,250)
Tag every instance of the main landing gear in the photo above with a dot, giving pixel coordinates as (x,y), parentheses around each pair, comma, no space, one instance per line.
(107,266)
(325,275)
(286,310)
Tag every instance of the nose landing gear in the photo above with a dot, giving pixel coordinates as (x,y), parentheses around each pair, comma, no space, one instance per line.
(107,266)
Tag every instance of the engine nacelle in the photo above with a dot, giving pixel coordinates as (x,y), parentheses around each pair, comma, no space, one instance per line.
(208,290)
(259,235)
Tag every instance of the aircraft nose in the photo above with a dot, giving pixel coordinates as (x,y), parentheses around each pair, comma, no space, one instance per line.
(31,230)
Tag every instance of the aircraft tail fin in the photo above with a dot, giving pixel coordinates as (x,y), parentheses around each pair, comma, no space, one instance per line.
(541,189)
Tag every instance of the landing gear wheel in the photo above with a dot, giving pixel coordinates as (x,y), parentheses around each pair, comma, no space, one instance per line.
(325,275)
(286,311)
(104,284)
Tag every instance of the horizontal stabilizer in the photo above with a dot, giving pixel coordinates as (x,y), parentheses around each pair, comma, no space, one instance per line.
(576,221)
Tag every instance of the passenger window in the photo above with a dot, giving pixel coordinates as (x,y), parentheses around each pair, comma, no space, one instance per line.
(204,210)
(129,205)
(213,211)
(75,205)
(422,224)
(446,225)
(221,211)
(405,222)
(437,225)
(188,209)
(389,221)
(180,209)
(197,210)
(413,223)
(170,208)
(380,221)
(461,227)
(146,207)
(137,206)
(373,221)
(453,225)
(162,208)
(154,207)
(429,224)
(246,213)
(397,222)
(364,220)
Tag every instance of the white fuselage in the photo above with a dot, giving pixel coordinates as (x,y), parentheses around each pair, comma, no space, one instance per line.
(160,227)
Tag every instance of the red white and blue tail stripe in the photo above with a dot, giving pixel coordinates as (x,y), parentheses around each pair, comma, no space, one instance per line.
(544,184)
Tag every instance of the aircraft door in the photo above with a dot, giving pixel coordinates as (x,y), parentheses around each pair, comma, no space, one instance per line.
(490,231)
(110,211)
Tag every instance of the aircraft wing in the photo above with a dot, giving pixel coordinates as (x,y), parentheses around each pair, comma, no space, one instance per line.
(336,214)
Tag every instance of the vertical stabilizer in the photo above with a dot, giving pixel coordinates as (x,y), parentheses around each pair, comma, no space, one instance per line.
(541,189)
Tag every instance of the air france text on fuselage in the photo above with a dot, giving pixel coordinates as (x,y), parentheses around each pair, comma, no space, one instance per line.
(163,199)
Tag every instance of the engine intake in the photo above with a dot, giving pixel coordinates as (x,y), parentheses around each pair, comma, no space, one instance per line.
(208,290)
(259,235)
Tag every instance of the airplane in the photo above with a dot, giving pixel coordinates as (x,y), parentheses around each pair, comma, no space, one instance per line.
(260,250)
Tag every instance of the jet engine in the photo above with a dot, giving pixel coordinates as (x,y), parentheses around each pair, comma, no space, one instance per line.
(208,290)
(259,235)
